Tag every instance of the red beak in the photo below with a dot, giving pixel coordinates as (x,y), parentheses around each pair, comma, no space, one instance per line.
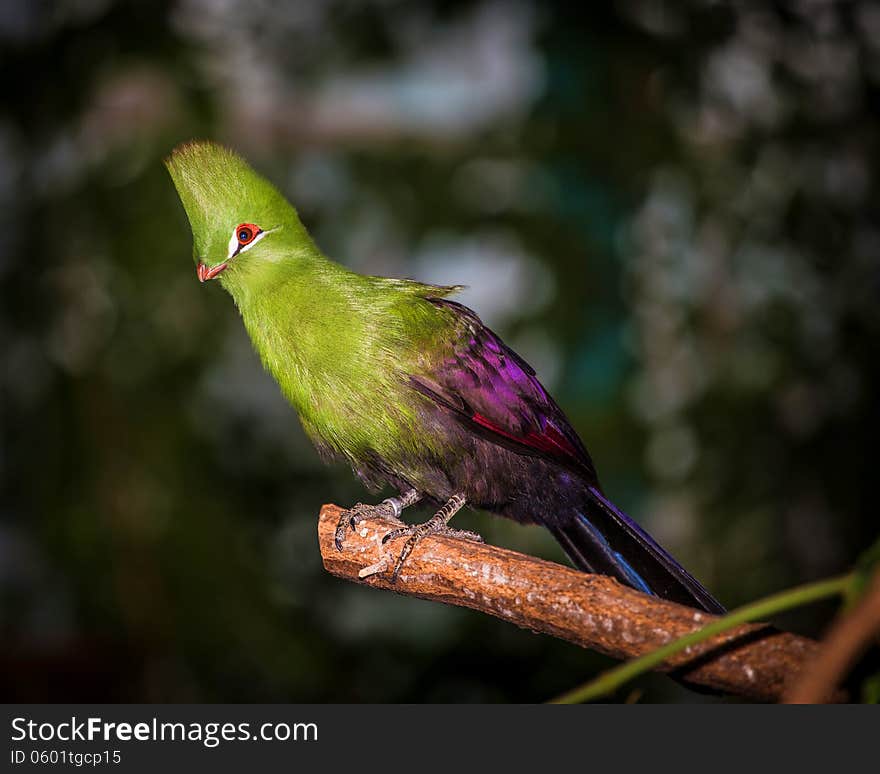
(206,272)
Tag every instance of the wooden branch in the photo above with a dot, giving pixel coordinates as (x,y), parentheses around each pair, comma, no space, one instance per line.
(848,639)
(755,661)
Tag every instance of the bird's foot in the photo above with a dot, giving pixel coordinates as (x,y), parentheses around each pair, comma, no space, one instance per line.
(436,525)
(349,519)
(387,509)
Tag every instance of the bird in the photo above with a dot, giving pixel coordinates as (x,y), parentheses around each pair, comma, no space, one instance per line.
(407,386)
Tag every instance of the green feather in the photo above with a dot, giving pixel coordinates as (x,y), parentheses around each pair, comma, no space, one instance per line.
(340,345)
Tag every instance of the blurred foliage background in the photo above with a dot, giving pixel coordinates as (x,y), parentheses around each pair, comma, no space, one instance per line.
(670,209)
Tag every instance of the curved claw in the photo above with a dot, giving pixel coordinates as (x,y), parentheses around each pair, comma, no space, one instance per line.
(348,520)
(345,523)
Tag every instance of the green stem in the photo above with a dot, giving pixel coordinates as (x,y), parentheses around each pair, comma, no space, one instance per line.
(800,595)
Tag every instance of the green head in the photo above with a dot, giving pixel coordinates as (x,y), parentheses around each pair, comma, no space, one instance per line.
(241,224)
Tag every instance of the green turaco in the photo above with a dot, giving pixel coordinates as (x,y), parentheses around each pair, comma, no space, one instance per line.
(406,385)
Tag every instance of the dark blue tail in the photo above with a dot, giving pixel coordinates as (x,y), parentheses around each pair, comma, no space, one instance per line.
(605,540)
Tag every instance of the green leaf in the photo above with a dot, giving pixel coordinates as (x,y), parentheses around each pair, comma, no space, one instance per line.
(867,563)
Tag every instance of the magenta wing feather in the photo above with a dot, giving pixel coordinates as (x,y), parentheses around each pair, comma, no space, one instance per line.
(494,392)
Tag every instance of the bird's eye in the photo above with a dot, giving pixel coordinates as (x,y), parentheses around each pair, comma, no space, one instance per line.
(246,234)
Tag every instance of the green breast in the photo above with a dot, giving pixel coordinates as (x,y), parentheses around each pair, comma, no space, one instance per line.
(342,359)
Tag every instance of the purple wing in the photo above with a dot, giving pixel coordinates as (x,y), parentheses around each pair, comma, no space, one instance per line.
(491,390)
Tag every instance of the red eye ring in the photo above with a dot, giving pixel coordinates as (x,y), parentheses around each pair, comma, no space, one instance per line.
(245,233)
